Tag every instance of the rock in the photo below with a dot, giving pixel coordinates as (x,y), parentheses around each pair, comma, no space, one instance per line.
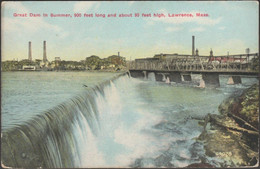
(231,137)
(201,123)
(244,105)
(163,160)
(23,155)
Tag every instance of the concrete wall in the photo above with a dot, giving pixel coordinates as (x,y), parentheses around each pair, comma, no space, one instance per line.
(187,78)
(175,77)
(137,74)
(158,77)
(236,79)
(211,79)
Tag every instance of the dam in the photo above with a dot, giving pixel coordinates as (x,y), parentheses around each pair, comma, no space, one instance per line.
(119,121)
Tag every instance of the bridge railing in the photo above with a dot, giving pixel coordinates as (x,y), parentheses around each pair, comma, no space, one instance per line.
(196,64)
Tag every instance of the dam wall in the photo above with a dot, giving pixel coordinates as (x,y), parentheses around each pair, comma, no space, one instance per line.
(53,139)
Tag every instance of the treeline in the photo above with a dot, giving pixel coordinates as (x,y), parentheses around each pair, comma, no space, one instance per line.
(111,63)
(17,65)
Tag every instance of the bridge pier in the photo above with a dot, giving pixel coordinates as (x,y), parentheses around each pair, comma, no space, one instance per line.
(128,73)
(237,79)
(186,77)
(234,80)
(137,74)
(175,77)
(211,79)
(145,74)
(151,75)
(158,77)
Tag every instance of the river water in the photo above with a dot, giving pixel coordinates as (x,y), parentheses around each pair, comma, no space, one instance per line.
(25,94)
(125,122)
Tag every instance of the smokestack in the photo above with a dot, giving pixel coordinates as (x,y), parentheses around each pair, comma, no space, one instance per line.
(193,45)
(44,52)
(30,51)
(118,53)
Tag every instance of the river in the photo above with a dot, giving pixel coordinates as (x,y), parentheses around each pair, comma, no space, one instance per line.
(125,122)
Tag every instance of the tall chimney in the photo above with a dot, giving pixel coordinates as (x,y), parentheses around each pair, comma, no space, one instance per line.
(44,52)
(118,53)
(193,45)
(30,51)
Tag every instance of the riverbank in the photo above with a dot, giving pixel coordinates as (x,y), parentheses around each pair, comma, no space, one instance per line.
(232,137)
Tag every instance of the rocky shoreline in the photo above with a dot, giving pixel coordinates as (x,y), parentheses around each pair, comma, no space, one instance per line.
(231,138)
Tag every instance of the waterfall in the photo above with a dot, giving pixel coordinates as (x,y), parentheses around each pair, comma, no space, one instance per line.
(54,138)
(122,122)
(145,76)
(164,78)
(167,80)
(128,73)
(151,76)
(202,84)
(103,126)
(49,139)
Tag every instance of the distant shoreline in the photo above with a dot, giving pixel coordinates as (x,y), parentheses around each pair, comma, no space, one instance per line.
(112,71)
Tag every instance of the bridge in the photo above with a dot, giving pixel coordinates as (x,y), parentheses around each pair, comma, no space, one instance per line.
(178,68)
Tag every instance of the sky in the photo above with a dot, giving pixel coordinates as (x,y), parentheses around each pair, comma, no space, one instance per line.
(230,27)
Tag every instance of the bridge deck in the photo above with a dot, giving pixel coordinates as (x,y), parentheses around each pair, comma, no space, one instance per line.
(222,72)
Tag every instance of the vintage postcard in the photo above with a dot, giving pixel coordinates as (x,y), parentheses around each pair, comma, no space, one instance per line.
(129,84)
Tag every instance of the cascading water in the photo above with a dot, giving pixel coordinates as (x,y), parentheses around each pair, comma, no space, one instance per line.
(151,76)
(167,80)
(164,78)
(94,129)
(145,74)
(123,122)
(52,139)
(49,139)
(122,136)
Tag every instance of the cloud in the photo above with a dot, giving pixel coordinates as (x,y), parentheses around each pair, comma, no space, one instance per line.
(181,20)
(222,28)
(16,6)
(149,22)
(198,29)
(82,7)
(173,29)
(162,46)
(63,34)
(234,46)
(30,25)
(22,25)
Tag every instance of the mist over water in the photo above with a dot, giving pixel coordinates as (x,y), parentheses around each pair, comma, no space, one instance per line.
(136,123)
(144,123)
